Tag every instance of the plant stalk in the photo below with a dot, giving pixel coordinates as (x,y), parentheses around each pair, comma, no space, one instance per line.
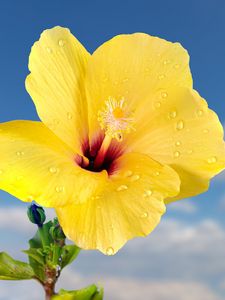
(50,281)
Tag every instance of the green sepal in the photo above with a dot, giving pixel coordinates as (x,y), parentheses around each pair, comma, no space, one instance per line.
(69,254)
(11,269)
(88,293)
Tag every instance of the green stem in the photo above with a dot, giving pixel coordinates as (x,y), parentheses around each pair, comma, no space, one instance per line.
(43,236)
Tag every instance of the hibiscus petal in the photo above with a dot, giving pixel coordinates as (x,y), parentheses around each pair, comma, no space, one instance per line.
(185,134)
(134,67)
(129,205)
(58,64)
(36,165)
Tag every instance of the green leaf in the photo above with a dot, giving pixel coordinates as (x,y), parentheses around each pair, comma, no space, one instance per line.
(84,294)
(69,253)
(36,255)
(11,269)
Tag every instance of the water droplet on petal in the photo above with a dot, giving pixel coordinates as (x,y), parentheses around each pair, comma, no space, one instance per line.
(180,125)
(178,143)
(161,76)
(135,178)
(49,50)
(122,188)
(176,154)
(164,95)
(53,170)
(190,151)
(147,193)
(59,189)
(128,173)
(212,160)
(144,215)
(157,173)
(172,114)
(205,130)
(157,104)
(200,113)
(110,251)
(176,66)
(69,116)
(166,62)
(61,43)
(19,153)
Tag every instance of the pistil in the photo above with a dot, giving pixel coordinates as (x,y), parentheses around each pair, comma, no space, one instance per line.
(102,151)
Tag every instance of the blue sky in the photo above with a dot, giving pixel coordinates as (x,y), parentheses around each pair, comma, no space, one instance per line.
(187,251)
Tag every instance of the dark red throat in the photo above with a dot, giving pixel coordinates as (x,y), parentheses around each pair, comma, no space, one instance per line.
(90,151)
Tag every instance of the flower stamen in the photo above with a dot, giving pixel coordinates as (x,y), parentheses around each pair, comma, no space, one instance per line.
(116,119)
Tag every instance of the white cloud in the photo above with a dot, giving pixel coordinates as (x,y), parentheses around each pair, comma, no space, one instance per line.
(184,206)
(115,288)
(15,218)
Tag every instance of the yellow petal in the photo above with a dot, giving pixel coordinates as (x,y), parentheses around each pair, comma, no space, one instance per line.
(185,134)
(58,64)
(135,67)
(129,205)
(36,165)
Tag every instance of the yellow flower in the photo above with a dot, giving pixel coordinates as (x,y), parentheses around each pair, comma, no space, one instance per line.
(122,133)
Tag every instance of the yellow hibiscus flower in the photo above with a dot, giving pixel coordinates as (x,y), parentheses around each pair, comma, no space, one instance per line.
(122,133)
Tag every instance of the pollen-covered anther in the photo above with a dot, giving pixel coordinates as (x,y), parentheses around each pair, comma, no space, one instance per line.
(116,118)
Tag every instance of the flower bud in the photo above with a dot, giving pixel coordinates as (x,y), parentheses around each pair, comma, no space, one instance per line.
(56,231)
(36,214)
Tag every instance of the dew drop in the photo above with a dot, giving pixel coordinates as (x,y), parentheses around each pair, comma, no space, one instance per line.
(19,153)
(69,116)
(147,193)
(122,188)
(128,173)
(178,143)
(59,189)
(161,76)
(190,151)
(134,178)
(157,104)
(205,130)
(176,66)
(180,125)
(172,114)
(61,43)
(166,62)
(110,251)
(52,170)
(176,154)
(200,113)
(144,215)
(157,173)
(164,95)
(49,50)
(212,160)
